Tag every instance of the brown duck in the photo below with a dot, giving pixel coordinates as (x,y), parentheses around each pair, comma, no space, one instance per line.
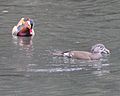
(97,52)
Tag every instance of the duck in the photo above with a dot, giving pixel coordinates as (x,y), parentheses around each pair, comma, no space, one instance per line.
(97,52)
(24,28)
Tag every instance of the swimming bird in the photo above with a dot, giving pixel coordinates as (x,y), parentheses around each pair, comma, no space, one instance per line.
(24,28)
(98,51)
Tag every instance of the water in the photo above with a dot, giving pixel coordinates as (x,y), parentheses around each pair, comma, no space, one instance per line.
(28,69)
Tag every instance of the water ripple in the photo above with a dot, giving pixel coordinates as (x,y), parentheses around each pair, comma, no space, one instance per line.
(52,70)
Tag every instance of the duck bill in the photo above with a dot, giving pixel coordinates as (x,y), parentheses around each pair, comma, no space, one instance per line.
(106,51)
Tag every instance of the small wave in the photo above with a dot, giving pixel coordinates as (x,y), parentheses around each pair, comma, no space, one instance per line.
(5,11)
(55,70)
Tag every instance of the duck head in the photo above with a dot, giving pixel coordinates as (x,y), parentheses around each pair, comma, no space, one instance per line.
(27,29)
(99,48)
(30,24)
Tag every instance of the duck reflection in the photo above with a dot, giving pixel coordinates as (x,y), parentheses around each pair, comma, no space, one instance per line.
(25,44)
(25,41)
(96,67)
(23,53)
(22,41)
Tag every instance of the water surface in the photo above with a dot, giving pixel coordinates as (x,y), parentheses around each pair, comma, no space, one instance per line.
(28,69)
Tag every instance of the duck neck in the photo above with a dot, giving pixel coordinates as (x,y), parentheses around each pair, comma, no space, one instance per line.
(96,56)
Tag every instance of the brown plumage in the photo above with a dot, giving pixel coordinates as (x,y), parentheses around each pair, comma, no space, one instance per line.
(97,52)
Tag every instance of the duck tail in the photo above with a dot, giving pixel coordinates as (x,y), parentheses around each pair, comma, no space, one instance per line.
(62,53)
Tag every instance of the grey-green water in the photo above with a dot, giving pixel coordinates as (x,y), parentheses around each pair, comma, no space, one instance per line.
(28,69)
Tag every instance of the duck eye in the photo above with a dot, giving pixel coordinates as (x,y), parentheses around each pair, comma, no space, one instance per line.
(101,47)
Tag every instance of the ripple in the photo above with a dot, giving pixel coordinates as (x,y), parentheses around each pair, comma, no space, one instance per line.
(52,70)
(5,11)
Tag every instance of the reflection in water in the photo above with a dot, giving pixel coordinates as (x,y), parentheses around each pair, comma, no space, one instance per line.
(24,52)
(98,67)
(22,41)
(64,64)
(102,68)
(25,44)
